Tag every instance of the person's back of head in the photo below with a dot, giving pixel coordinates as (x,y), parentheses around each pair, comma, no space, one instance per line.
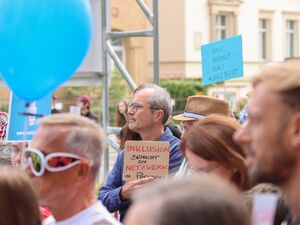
(193,201)
(5,154)
(19,204)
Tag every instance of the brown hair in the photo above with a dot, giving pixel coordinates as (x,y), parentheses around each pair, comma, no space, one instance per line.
(211,139)
(127,134)
(120,119)
(195,200)
(19,204)
(283,79)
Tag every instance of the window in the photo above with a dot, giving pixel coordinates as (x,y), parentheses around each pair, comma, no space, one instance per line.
(291,38)
(264,38)
(223,18)
(221,26)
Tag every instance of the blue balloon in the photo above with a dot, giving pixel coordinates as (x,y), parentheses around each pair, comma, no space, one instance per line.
(42,43)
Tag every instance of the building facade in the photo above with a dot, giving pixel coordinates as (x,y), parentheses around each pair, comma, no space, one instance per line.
(269,29)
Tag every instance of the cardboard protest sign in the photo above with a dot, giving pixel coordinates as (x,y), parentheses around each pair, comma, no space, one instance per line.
(146,158)
(222,60)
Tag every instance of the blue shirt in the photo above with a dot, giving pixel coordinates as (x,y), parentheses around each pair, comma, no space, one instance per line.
(109,194)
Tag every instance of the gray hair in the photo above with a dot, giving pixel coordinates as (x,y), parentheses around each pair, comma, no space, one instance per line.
(160,99)
(85,137)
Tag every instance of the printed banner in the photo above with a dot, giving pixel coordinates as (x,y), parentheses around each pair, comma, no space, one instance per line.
(17,119)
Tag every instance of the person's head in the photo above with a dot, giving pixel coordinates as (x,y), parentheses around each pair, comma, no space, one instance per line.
(121,113)
(19,204)
(151,106)
(16,152)
(271,136)
(122,107)
(65,156)
(3,125)
(193,201)
(209,148)
(84,102)
(199,106)
(5,154)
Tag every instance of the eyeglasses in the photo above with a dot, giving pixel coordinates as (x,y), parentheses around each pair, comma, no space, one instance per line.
(134,107)
(53,162)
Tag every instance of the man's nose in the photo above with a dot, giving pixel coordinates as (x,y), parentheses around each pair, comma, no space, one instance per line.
(130,111)
(241,136)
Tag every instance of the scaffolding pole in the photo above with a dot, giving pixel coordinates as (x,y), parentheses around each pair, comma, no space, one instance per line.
(109,53)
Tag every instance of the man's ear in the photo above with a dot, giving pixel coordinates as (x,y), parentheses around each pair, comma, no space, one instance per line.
(159,115)
(295,130)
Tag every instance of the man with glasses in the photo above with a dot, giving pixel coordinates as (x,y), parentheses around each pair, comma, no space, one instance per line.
(147,114)
(64,160)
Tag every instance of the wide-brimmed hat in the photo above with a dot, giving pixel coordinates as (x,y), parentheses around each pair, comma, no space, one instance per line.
(199,106)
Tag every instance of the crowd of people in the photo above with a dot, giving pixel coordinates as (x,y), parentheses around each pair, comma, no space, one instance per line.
(217,166)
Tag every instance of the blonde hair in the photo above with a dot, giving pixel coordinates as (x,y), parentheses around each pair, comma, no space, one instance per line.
(283,79)
(85,137)
(19,204)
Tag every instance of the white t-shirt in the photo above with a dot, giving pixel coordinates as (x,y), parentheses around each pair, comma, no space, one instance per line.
(96,214)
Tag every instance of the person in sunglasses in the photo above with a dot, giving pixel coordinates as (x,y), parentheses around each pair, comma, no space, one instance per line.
(64,160)
(147,114)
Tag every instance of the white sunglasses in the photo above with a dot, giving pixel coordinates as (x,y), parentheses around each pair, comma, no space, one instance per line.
(53,162)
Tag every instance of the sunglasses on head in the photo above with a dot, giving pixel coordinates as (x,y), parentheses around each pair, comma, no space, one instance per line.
(53,162)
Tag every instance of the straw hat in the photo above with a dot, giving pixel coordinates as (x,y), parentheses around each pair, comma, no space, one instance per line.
(199,106)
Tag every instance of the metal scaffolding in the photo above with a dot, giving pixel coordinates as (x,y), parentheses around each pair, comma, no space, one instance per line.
(94,72)
(109,52)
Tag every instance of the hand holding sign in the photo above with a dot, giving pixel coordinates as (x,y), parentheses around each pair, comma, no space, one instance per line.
(131,186)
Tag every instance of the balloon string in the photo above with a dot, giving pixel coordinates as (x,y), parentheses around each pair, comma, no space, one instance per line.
(26,127)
